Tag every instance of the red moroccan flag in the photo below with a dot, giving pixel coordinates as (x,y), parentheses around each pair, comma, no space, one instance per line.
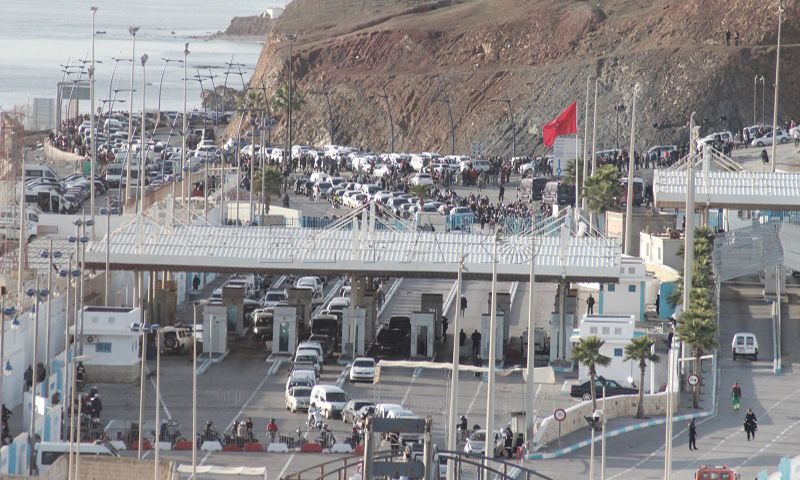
(566,123)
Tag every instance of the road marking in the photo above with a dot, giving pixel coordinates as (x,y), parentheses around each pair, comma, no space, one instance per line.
(474,397)
(239,414)
(161,400)
(765,447)
(343,376)
(414,377)
(276,365)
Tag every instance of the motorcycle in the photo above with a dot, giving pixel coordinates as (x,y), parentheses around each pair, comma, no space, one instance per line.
(315,419)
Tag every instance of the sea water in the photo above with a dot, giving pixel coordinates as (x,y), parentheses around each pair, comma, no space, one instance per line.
(38,37)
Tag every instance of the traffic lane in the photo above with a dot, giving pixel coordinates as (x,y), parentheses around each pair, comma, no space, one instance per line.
(741,309)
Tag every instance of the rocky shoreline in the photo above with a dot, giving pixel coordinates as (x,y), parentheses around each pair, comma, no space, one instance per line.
(254,26)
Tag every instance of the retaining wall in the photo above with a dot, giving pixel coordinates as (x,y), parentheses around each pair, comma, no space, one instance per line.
(615,407)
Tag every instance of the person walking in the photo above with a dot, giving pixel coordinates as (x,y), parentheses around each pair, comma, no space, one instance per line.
(692,435)
(590,305)
(463,304)
(196,282)
(736,396)
(764,156)
(501,193)
(462,338)
(728,37)
(444,327)
(750,424)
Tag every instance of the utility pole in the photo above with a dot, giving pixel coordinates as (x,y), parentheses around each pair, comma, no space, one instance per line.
(585,144)
(629,199)
(452,439)
(755,89)
(507,101)
(93,126)
(777,85)
(129,156)
(291,38)
(446,101)
(385,97)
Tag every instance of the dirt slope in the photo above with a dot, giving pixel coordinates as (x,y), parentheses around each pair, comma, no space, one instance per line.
(538,52)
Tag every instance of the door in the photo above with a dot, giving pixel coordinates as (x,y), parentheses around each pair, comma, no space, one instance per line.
(422,340)
(283,337)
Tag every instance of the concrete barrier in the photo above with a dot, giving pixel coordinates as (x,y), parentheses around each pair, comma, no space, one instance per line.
(341,448)
(546,430)
(276,447)
(211,446)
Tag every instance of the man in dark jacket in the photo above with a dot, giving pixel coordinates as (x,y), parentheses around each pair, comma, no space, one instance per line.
(750,424)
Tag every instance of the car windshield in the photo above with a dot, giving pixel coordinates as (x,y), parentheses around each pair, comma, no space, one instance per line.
(301,392)
(478,437)
(364,363)
(336,397)
(359,405)
(275,297)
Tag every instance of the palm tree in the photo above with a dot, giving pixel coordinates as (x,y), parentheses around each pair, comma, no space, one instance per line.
(641,350)
(602,191)
(569,176)
(587,353)
(697,328)
(280,99)
(271,180)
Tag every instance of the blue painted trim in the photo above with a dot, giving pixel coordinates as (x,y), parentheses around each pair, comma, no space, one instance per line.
(614,433)
(12,458)
(600,301)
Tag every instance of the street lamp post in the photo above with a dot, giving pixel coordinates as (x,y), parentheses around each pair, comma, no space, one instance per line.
(492,352)
(167,61)
(452,440)
(143,337)
(629,199)
(446,101)
(158,403)
(75,361)
(92,126)
(185,123)
(35,295)
(585,170)
(777,85)
(530,384)
(763,102)
(617,108)
(3,313)
(49,254)
(129,156)
(507,101)
(385,97)
(140,195)
(755,89)
(194,390)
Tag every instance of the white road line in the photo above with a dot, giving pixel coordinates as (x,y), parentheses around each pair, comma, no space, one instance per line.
(769,444)
(408,389)
(239,414)
(288,462)
(474,397)
(714,448)
(161,399)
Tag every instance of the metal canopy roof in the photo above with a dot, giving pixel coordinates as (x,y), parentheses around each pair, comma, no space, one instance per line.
(752,190)
(355,246)
(749,250)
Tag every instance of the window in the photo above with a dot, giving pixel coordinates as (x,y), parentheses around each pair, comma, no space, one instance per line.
(631,288)
(617,352)
(617,330)
(593,330)
(611,287)
(606,330)
(102,347)
(631,270)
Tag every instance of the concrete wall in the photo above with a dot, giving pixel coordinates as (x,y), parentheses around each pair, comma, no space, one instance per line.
(546,430)
(63,225)
(661,250)
(92,468)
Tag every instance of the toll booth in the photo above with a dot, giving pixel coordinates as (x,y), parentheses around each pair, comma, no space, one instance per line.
(770,282)
(284,330)
(233,299)
(215,329)
(503,307)
(486,320)
(432,302)
(353,323)
(423,328)
(300,298)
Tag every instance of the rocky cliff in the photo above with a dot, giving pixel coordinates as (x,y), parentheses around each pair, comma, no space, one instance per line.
(423,54)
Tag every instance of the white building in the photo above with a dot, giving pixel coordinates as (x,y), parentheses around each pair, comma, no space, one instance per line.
(616,332)
(635,290)
(111,345)
(662,248)
(273,12)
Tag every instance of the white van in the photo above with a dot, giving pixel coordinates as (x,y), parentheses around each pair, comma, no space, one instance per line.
(48,452)
(329,399)
(744,344)
(39,171)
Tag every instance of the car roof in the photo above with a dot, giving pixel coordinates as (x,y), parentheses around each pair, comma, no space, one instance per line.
(329,388)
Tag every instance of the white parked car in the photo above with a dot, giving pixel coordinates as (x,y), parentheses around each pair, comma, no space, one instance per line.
(363,369)
(767,139)
(476,443)
(421,179)
(314,282)
(297,398)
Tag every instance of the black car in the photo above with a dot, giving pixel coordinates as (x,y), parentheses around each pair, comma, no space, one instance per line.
(391,342)
(613,388)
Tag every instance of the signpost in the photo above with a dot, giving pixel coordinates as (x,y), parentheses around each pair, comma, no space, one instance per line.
(564,148)
(560,415)
(693,380)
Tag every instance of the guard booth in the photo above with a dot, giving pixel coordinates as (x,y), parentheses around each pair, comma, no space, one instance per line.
(503,308)
(432,302)
(215,330)
(423,329)
(300,298)
(233,299)
(353,330)
(284,330)
(486,321)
